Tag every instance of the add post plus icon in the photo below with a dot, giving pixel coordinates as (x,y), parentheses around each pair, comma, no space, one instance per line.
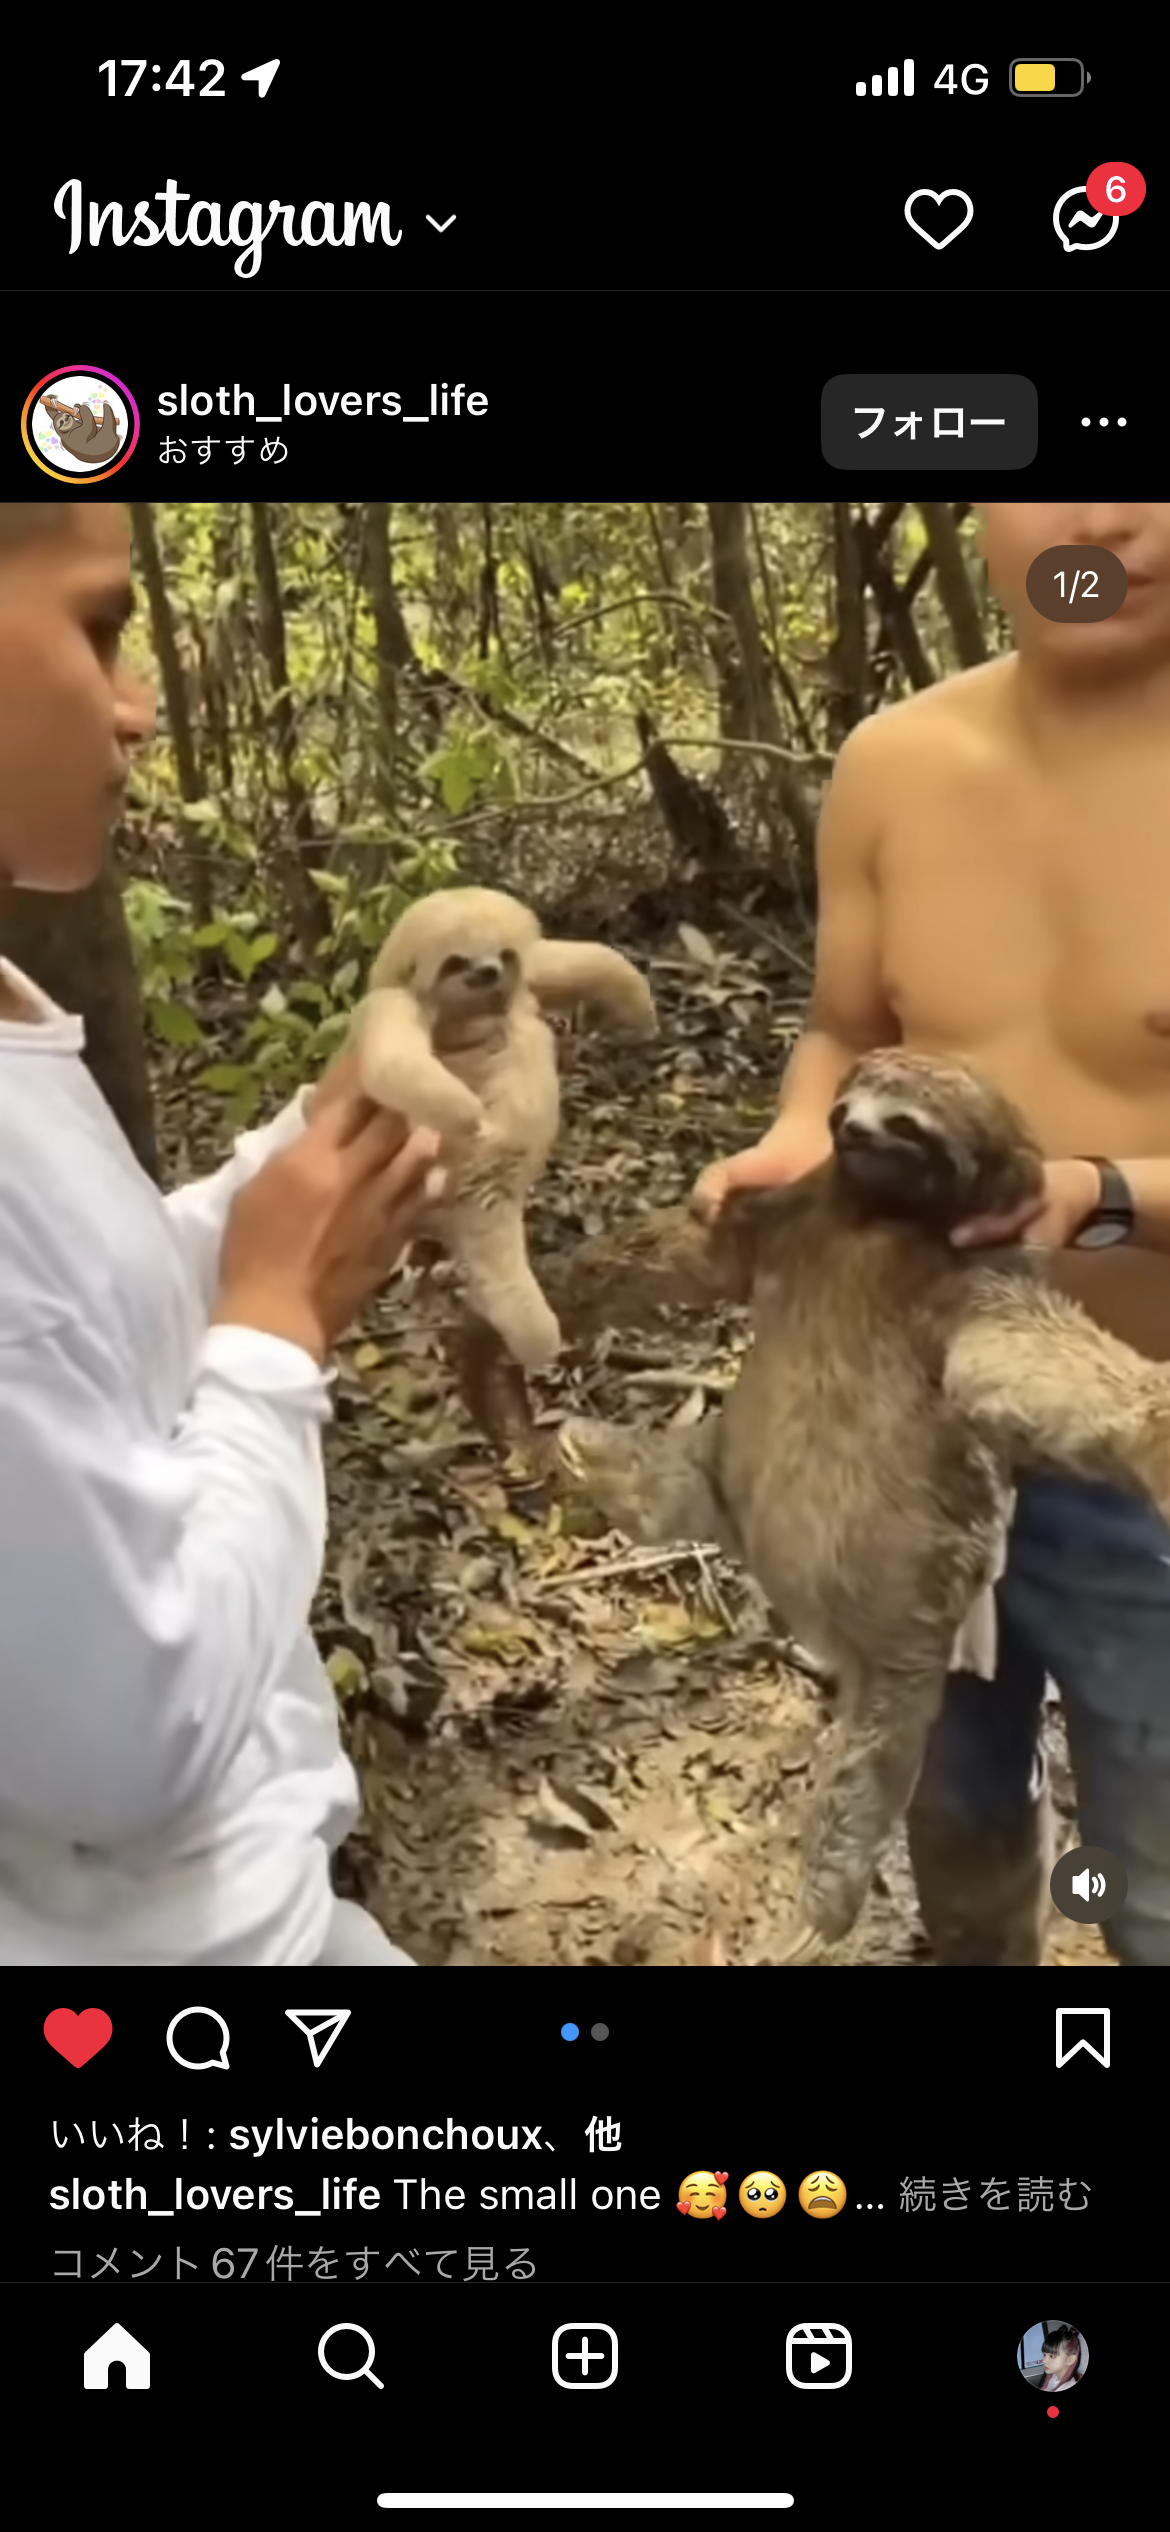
(585,2356)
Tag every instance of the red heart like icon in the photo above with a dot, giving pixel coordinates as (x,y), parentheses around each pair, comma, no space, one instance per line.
(78,2036)
(720,2212)
(721,2177)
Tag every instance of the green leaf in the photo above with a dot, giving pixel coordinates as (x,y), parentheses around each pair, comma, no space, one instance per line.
(242,1108)
(456,770)
(345,1670)
(225,1077)
(238,953)
(175,1023)
(210,936)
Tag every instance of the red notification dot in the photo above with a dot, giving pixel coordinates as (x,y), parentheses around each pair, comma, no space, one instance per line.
(1054,2413)
(1116,187)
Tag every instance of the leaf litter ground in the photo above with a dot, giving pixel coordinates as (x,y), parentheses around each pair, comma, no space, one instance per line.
(573,1751)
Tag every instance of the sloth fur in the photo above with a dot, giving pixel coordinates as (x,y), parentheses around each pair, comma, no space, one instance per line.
(863,1466)
(452,1035)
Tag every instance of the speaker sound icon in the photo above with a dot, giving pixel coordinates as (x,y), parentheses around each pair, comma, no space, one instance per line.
(1089,1885)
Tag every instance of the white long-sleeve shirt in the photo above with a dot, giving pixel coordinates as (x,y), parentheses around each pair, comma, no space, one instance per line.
(172,1778)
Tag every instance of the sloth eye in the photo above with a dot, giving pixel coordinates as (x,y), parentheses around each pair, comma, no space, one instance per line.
(908,1129)
(454,966)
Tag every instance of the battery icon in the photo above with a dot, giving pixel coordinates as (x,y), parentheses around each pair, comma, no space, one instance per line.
(1060,78)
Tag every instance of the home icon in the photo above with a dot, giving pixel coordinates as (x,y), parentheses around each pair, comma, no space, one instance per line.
(113,2348)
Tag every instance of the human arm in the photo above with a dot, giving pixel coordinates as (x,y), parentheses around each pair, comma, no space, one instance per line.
(1072,1191)
(198,1211)
(848,1012)
(152,1586)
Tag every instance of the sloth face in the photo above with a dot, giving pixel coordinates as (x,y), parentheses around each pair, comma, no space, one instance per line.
(921,1136)
(461,951)
(462,986)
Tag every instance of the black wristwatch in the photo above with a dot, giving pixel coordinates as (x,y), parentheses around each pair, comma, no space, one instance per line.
(1112,1218)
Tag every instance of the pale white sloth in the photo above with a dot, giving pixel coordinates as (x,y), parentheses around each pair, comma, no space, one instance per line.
(452,1035)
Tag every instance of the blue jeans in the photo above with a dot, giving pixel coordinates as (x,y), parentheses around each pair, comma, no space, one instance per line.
(1086,1599)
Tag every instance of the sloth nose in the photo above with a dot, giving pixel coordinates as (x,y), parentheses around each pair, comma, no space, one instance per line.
(855,1134)
(485,971)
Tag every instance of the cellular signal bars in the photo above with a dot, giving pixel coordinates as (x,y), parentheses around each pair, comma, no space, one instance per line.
(891,88)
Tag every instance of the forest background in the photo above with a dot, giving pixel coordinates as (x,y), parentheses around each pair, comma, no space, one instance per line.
(627,713)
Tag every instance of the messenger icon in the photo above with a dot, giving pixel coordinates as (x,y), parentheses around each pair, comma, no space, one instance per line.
(1096,226)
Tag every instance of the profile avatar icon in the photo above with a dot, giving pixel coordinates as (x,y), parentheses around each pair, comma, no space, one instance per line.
(88,431)
(1052,2356)
(78,423)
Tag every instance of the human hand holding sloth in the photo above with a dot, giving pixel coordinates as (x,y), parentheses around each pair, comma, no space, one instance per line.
(452,1035)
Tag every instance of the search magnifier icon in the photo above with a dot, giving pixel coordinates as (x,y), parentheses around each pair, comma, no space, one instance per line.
(358,2333)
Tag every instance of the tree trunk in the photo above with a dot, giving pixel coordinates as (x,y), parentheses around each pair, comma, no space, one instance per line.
(489,590)
(393,650)
(196,855)
(847,698)
(745,688)
(306,907)
(78,949)
(954,586)
(736,642)
(895,606)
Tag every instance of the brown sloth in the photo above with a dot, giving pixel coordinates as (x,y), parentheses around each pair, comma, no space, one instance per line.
(452,1034)
(863,1466)
(93,437)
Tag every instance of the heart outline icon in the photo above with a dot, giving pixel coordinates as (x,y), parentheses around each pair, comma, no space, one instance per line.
(950,193)
(78,2036)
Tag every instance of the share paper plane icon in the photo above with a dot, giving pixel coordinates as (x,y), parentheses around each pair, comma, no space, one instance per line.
(320,2028)
(263,75)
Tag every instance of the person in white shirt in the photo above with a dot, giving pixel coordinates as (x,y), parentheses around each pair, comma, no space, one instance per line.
(172,1778)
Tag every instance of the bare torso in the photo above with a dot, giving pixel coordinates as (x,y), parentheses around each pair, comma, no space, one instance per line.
(1025,910)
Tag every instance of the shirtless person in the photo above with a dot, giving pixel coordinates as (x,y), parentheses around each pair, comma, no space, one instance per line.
(994,882)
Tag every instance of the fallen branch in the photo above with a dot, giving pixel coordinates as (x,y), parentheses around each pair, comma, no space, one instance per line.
(641,1560)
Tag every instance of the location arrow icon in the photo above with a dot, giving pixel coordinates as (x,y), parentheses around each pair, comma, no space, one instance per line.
(264,74)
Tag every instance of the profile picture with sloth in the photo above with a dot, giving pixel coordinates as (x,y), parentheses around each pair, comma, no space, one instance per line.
(81,425)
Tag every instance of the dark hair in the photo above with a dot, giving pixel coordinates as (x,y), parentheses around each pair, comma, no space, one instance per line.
(1062,2336)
